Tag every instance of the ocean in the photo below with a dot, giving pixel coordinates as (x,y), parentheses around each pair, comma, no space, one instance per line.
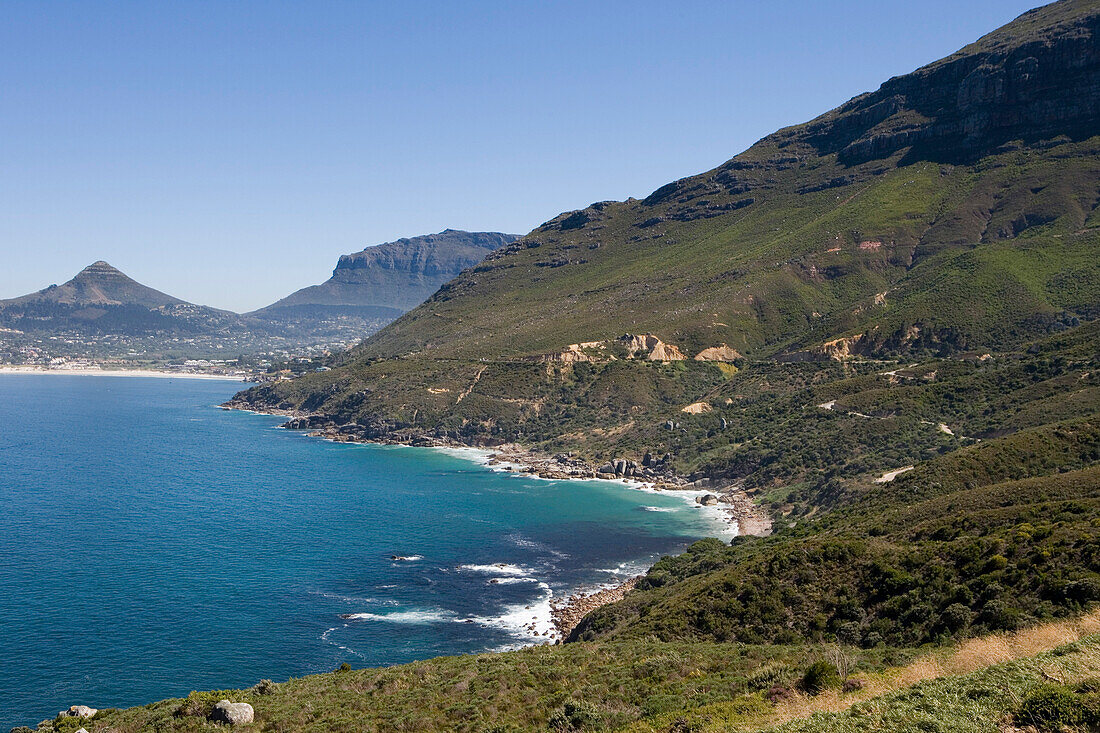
(152,544)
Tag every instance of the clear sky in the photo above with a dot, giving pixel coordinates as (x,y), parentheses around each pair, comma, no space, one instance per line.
(228,152)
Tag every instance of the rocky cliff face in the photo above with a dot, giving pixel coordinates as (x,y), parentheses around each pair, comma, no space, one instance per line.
(398,275)
(1018,83)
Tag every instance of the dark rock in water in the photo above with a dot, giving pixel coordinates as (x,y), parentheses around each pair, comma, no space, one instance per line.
(233,713)
(708,500)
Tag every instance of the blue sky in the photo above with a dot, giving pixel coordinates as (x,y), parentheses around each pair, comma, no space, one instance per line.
(228,152)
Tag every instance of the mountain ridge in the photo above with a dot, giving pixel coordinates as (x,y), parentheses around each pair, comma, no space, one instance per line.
(368,289)
(416,265)
(785,253)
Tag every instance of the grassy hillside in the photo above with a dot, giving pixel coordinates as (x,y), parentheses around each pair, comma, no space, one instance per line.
(654,686)
(993,537)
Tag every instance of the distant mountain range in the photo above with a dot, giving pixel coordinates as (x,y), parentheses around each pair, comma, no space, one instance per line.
(367,290)
(396,276)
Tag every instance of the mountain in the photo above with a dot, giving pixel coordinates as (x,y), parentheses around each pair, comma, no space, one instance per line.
(948,215)
(396,276)
(371,288)
(881,327)
(101,299)
(367,290)
(99,284)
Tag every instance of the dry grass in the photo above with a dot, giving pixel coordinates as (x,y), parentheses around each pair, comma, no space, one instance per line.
(969,656)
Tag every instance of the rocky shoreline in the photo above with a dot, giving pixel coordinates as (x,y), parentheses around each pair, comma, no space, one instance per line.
(652,472)
(567,614)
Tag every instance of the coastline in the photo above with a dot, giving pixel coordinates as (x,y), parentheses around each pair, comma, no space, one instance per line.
(567,613)
(731,505)
(120,373)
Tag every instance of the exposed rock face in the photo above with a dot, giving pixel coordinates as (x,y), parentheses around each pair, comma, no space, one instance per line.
(708,500)
(79,711)
(841,348)
(233,713)
(994,91)
(397,275)
(573,353)
(697,408)
(651,348)
(718,353)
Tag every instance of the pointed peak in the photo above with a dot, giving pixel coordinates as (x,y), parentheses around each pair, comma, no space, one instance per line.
(100,267)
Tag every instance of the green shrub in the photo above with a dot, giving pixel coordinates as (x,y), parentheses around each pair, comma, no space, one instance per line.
(1051,706)
(956,617)
(265,687)
(768,675)
(575,715)
(819,676)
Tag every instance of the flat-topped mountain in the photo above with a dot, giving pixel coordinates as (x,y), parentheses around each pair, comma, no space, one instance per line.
(399,275)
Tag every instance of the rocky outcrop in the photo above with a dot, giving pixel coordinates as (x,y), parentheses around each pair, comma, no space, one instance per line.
(78,711)
(718,353)
(649,347)
(232,713)
(1034,79)
(573,353)
(697,408)
(568,613)
(842,348)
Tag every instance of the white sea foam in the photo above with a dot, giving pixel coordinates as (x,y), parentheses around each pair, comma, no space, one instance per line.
(406,558)
(529,621)
(512,580)
(413,616)
(358,599)
(659,508)
(527,543)
(499,568)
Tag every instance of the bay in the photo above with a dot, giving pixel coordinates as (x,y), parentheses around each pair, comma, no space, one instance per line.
(152,544)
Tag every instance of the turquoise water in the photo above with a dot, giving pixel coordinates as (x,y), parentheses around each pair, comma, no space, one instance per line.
(152,544)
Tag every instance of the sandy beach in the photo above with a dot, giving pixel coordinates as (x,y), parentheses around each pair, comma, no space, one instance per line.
(118,373)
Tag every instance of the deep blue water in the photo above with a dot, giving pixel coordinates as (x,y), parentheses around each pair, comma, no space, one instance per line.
(152,544)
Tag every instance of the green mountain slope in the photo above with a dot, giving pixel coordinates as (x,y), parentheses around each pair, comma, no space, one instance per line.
(948,215)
